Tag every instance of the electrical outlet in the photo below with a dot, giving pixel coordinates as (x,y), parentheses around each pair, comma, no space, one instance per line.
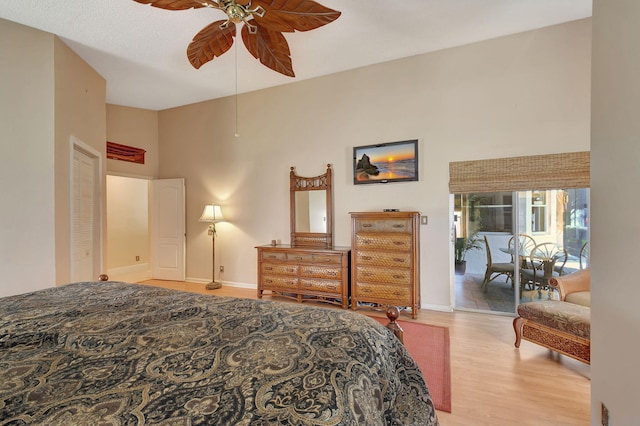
(605,415)
(137,258)
(221,268)
(424,220)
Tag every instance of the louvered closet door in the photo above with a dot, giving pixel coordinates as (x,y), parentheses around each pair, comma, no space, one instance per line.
(84,205)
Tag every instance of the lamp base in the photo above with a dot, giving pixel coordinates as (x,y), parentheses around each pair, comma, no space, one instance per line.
(213,285)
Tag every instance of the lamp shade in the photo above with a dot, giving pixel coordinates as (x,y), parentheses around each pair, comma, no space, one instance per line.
(212,213)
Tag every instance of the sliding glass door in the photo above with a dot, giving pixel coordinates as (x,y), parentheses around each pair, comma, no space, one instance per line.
(509,244)
(484,224)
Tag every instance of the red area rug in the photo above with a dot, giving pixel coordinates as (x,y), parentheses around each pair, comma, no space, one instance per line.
(429,346)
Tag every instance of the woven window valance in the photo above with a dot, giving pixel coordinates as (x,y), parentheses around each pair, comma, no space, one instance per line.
(550,171)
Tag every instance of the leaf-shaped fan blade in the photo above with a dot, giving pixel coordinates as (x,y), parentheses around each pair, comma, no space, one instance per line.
(210,42)
(176,4)
(289,15)
(270,47)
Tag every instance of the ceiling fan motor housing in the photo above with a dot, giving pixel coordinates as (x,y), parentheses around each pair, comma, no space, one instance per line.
(238,13)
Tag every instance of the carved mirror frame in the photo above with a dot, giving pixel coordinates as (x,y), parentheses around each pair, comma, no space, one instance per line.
(316,183)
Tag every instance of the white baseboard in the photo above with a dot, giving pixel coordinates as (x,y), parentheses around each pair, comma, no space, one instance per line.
(197,280)
(226,283)
(240,285)
(440,308)
(130,274)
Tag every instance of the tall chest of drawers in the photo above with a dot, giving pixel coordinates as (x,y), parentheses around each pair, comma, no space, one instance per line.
(385,259)
(305,273)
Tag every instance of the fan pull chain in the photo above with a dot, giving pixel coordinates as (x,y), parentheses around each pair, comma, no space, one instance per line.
(237,134)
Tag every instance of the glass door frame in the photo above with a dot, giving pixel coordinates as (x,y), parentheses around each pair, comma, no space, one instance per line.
(558,202)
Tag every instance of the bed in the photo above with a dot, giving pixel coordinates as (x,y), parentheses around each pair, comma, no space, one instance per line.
(112,353)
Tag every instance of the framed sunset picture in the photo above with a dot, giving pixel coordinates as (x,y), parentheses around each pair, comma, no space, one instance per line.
(386,162)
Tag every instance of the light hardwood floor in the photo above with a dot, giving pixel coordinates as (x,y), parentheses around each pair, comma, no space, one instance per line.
(493,383)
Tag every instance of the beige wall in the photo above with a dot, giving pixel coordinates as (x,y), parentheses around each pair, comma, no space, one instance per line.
(134,127)
(80,111)
(519,95)
(615,330)
(27,234)
(48,95)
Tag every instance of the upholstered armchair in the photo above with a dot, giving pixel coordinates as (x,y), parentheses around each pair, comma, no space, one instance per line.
(575,287)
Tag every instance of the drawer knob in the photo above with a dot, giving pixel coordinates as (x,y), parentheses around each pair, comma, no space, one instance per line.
(366,257)
(367,225)
(398,277)
(398,225)
(399,260)
(398,243)
(268,268)
(268,281)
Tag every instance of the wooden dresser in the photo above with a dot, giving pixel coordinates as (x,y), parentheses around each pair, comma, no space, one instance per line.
(385,261)
(305,273)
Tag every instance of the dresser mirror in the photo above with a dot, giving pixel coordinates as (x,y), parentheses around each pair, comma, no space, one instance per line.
(311,209)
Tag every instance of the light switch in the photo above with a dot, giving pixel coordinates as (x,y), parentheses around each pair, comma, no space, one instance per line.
(424,220)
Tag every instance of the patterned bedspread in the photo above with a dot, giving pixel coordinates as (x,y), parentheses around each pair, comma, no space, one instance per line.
(109,353)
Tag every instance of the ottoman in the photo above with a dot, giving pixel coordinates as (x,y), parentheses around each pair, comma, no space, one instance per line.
(560,326)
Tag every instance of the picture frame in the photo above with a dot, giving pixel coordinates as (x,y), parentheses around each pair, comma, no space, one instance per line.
(386,162)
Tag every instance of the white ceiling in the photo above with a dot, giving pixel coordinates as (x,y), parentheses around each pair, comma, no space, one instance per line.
(141,50)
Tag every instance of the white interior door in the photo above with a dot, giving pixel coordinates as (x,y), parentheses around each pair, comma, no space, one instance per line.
(85,200)
(168,238)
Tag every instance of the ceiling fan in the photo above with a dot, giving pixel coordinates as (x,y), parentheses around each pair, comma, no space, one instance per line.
(264,22)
